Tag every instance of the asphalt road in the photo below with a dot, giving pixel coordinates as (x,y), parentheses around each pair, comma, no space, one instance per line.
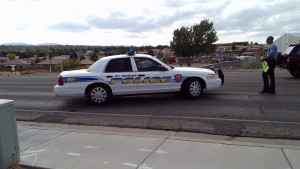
(235,109)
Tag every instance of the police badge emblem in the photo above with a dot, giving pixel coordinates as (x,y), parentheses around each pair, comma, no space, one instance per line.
(178,77)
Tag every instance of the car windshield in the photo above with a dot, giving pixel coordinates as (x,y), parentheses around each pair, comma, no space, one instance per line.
(159,61)
(288,50)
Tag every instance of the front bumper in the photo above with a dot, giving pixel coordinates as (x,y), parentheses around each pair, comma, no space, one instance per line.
(220,74)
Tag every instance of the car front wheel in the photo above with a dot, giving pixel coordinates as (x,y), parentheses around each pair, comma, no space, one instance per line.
(192,88)
(99,94)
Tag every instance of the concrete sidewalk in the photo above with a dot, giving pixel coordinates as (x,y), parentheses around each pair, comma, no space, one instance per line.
(62,146)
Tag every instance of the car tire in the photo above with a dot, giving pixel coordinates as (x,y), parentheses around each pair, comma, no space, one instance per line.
(294,72)
(297,72)
(99,94)
(192,88)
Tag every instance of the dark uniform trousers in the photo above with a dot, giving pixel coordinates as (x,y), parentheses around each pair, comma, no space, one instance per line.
(269,74)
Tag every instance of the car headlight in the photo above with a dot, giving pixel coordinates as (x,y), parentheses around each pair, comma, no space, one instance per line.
(212,76)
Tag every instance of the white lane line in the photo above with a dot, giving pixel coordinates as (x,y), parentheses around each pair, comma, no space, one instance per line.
(254,81)
(251,93)
(73,154)
(174,117)
(29,82)
(91,147)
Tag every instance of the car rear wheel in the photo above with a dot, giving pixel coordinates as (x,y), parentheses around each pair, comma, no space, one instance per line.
(99,94)
(292,72)
(295,72)
(192,88)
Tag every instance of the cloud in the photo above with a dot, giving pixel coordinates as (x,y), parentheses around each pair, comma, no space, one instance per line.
(174,3)
(119,21)
(263,19)
(134,36)
(147,21)
(138,24)
(70,27)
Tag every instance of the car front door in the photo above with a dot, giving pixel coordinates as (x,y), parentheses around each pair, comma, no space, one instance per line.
(152,77)
(120,76)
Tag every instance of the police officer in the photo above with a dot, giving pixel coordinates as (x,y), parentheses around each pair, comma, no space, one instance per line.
(269,73)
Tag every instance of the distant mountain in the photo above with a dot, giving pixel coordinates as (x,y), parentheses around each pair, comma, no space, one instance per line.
(26,44)
(48,44)
(17,44)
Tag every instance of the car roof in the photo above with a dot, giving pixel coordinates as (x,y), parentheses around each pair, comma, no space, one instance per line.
(125,55)
(103,61)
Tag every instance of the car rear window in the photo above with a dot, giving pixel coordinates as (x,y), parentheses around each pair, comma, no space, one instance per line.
(119,65)
(288,50)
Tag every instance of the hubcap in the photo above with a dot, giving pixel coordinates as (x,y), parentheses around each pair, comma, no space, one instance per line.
(195,88)
(98,95)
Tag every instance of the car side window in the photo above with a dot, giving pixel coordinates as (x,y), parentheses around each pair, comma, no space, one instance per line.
(146,65)
(119,65)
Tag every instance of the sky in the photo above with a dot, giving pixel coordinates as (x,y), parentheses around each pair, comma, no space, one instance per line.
(142,22)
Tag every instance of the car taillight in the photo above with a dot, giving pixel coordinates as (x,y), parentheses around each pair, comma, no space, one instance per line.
(288,59)
(60,80)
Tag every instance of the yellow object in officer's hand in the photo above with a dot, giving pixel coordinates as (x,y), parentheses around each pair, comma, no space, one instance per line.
(262,58)
(265,66)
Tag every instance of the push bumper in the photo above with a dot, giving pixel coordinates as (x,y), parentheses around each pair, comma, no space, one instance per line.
(220,74)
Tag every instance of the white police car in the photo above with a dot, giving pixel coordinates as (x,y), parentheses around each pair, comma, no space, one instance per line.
(132,74)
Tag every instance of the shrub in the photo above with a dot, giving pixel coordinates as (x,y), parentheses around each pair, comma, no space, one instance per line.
(253,63)
(68,64)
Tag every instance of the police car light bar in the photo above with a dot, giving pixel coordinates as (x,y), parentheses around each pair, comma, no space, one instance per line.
(130,52)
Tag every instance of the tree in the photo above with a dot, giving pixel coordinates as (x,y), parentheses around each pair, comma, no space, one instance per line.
(50,53)
(160,55)
(94,57)
(37,60)
(11,56)
(81,58)
(196,40)
(74,56)
(150,52)
(233,47)
(69,64)
(182,44)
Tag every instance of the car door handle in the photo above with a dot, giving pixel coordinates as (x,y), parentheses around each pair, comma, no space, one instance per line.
(109,76)
(141,75)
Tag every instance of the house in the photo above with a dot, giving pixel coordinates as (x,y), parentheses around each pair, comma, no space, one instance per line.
(168,52)
(45,64)
(86,62)
(15,65)
(240,47)
(253,48)
(250,54)
(223,48)
(3,59)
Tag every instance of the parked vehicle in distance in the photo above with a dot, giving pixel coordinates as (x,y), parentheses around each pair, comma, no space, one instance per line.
(290,59)
(214,60)
(132,74)
(245,58)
